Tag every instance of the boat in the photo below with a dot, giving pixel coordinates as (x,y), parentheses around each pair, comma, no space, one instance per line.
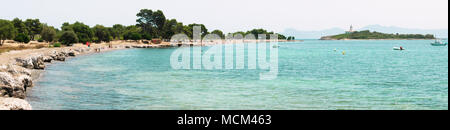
(399,48)
(438,42)
(275,46)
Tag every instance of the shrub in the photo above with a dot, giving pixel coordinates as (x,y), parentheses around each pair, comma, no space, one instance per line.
(57,45)
(40,40)
(132,36)
(147,37)
(22,38)
(68,38)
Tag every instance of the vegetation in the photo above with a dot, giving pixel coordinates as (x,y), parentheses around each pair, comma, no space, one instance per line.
(291,38)
(377,35)
(83,32)
(149,25)
(68,38)
(57,45)
(34,27)
(22,38)
(48,33)
(218,33)
(257,32)
(102,34)
(7,31)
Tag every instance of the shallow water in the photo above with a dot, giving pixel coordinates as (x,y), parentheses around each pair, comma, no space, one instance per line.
(311,76)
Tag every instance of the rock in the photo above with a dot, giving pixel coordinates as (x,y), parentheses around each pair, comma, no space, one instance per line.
(17,70)
(26,80)
(72,53)
(14,104)
(61,56)
(25,62)
(38,62)
(12,87)
(48,59)
(33,62)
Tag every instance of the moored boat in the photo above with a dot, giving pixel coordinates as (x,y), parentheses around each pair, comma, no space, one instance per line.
(438,42)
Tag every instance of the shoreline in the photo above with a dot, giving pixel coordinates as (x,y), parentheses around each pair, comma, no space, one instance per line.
(20,68)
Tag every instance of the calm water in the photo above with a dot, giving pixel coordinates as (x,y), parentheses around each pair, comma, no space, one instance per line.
(311,76)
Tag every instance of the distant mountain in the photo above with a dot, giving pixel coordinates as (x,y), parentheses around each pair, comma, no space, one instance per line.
(440,33)
(312,34)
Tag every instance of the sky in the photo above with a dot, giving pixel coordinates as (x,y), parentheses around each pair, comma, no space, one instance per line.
(235,15)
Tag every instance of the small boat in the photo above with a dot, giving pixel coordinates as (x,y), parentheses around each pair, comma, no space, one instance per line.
(399,48)
(438,42)
(275,46)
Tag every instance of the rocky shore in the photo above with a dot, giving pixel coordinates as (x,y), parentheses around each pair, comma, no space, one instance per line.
(17,67)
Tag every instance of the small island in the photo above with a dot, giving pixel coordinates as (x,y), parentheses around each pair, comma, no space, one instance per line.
(368,35)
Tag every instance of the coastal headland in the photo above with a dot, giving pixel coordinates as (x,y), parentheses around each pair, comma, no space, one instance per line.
(368,35)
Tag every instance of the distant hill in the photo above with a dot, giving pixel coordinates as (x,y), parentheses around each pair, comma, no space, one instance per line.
(440,33)
(312,34)
(364,35)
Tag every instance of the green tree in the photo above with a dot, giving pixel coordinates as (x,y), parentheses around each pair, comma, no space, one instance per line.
(34,27)
(151,22)
(20,26)
(118,31)
(102,33)
(132,36)
(171,28)
(68,38)
(48,33)
(83,31)
(219,33)
(281,37)
(190,28)
(7,31)
(23,38)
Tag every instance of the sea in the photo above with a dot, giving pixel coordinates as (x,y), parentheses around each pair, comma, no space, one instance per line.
(310,75)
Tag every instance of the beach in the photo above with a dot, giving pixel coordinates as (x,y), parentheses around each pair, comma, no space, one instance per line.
(19,68)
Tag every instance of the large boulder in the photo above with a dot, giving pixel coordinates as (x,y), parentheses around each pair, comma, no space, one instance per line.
(25,62)
(48,59)
(38,62)
(33,62)
(14,104)
(11,87)
(72,53)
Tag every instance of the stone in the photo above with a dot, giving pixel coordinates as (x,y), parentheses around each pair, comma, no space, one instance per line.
(48,59)
(72,53)
(14,104)
(11,87)
(25,62)
(38,62)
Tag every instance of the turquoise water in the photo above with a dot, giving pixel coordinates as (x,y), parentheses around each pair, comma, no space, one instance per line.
(311,76)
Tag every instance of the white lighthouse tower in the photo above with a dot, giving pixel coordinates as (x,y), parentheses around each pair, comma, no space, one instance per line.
(351,29)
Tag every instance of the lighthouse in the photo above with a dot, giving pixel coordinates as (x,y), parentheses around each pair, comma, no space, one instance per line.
(350,30)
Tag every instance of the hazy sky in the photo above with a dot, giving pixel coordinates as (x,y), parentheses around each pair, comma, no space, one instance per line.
(233,15)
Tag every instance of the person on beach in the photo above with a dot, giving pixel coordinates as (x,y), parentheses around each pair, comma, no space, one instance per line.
(88,44)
